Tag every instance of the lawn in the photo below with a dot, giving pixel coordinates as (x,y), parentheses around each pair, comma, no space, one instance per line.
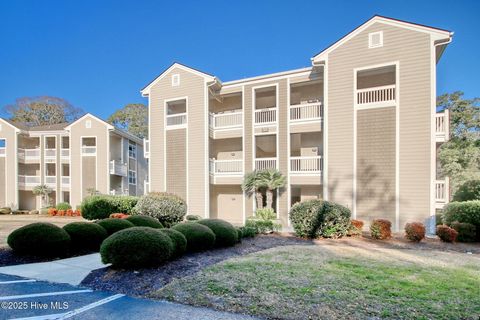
(338,281)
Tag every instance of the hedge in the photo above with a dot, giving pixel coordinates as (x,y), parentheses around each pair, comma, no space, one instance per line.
(102,206)
(303,216)
(40,239)
(466,211)
(225,233)
(63,206)
(179,241)
(144,221)
(86,236)
(466,231)
(168,208)
(199,237)
(137,247)
(112,225)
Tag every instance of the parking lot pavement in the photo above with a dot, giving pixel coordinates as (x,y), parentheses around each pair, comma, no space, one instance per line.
(23,298)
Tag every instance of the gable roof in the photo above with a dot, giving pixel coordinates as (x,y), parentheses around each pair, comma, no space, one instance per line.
(207,76)
(109,126)
(16,126)
(439,33)
(49,127)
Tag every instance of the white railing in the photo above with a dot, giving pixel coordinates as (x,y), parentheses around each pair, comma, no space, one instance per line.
(31,181)
(29,154)
(226,167)
(265,163)
(118,192)
(441,191)
(50,153)
(376,95)
(268,115)
(146,148)
(51,181)
(118,168)
(89,150)
(310,164)
(227,119)
(65,154)
(3,152)
(176,119)
(442,125)
(306,111)
(65,181)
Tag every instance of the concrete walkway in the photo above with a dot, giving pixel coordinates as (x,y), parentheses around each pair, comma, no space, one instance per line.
(71,270)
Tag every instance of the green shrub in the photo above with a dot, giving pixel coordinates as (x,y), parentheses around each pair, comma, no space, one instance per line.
(334,220)
(466,231)
(265,214)
(381,229)
(136,247)
(144,221)
(112,225)
(40,239)
(225,233)
(467,211)
(262,226)
(169,209)
(415,231)
(86,236)
(438,219)
(248,232)
(303,216)
(63,206)
(199,237)
(192,217)
(102,206)
(446,234)
(470,190)
(239,234)
(179,241)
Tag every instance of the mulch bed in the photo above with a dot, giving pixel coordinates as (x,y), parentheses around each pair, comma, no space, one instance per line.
(8,258)
(141,282)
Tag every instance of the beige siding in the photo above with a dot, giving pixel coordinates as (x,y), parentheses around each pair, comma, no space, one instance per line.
(226,203)
(412,50)
(283,150)
(8,179)
(177,162)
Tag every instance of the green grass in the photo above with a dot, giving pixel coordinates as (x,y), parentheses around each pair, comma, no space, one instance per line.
(309,282)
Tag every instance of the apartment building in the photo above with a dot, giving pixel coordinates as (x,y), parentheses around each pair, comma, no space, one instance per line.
(358,127)
(72,159)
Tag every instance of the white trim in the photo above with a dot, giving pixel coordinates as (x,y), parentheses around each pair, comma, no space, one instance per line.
(81,166)
(267,77)
(372,45)
(397,146)
(149,161)
(109,126)
(433,89)
(325,190)
(206,150)
(175,80)
(354,178)
(10,125)
(289,153)
(244,216)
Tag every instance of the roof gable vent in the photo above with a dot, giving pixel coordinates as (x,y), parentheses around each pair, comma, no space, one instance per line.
(375,39)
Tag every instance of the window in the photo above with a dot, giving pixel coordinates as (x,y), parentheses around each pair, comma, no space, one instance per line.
(132,150)
(132,177)
(175,80)
(375,39)
(2,143)
(88,124)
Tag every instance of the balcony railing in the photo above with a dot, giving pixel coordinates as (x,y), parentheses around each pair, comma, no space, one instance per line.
(51,181)
(28,181)
(176,119)
(264,116)
(29,154)
(146,148)
(265,163)
(2,152)
(375,95)
(50,154)
(226,167)
(65,154)
(65,181)
(306,111)
(89,150)
(442,126)
(118,168)
(118,192)
(225,120)
(310,164)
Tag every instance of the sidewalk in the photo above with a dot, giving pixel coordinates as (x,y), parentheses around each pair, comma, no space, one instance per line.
(71,270)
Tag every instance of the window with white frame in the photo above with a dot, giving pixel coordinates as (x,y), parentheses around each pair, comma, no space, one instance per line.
(88,124)
(132,177)
(175,80)
(132,150)
(375,39)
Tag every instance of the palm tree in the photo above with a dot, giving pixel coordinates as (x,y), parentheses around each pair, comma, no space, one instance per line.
(44,191)
(272,179)
(253,184)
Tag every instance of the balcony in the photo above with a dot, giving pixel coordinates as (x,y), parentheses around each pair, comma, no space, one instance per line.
(119,192)
(226,120)
(50,155)
(306,112)
(146,148)
(51,181)
(28,181)
(65,182)
(377,96)
(176,120)
(265,163)
(117,168)
(226,167)
(442,126)
(2,152)
(265,116)
(65,154)
(441,193)
(29,154)
(306,165)
(89,151)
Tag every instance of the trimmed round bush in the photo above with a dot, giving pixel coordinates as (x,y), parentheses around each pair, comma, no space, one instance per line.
(466,231)
(334,220)
(144,221)
(63,206)
(102,206)
(112,225)
(381,229)
(199,237)
(40,239)
(415,231)
(303,216)
(470,190)
(446,234)
(225,233)
(168,208)
(137,247)
(179,241)
(86,236)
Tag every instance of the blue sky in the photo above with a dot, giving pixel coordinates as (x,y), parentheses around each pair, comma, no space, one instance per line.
(99,54)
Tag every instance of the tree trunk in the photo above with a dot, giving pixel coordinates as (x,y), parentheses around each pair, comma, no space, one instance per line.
(269,198)
(259,198)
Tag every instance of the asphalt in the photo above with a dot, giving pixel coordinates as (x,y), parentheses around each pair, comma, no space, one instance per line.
(25,298)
